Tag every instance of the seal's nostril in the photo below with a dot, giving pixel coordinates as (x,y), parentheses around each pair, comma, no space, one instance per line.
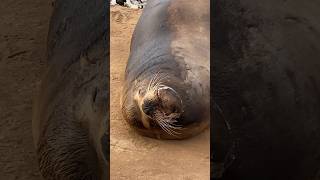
(147,108)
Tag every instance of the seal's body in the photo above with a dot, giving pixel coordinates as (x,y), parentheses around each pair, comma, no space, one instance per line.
(266,84)
(70,113)
(166,91)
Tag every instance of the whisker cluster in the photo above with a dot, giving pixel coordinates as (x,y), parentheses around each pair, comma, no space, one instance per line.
(156,81)
(168,123)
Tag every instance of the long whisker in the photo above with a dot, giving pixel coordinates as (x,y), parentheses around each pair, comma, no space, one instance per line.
(165,128)
(168,125)
(158,76)
(172,125)
(151,81)
(170,128)
(158,81)
(161,78)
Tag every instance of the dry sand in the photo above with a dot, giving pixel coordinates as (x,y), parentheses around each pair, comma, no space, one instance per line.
(23,31)
(136,157)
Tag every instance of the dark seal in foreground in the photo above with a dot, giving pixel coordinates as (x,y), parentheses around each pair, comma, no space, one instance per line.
(70,116)
(266,89)
(166,88)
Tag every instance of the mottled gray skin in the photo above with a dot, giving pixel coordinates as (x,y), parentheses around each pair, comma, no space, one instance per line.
(171,38)
(266,82)
(70,118)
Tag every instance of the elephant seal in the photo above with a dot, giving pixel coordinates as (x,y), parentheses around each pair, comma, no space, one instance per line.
(166,91)
(70,113)
(266,86)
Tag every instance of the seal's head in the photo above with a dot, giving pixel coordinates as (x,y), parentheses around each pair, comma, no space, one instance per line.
(155,108)
(162,105)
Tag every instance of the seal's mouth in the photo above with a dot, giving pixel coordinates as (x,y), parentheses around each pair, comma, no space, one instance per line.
(164,106)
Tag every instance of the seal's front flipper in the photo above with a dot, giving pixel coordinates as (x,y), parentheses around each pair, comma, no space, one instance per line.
(64,150)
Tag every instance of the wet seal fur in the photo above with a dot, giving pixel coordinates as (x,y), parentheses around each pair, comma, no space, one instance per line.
(166,88)
(70,113)
(266,83)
